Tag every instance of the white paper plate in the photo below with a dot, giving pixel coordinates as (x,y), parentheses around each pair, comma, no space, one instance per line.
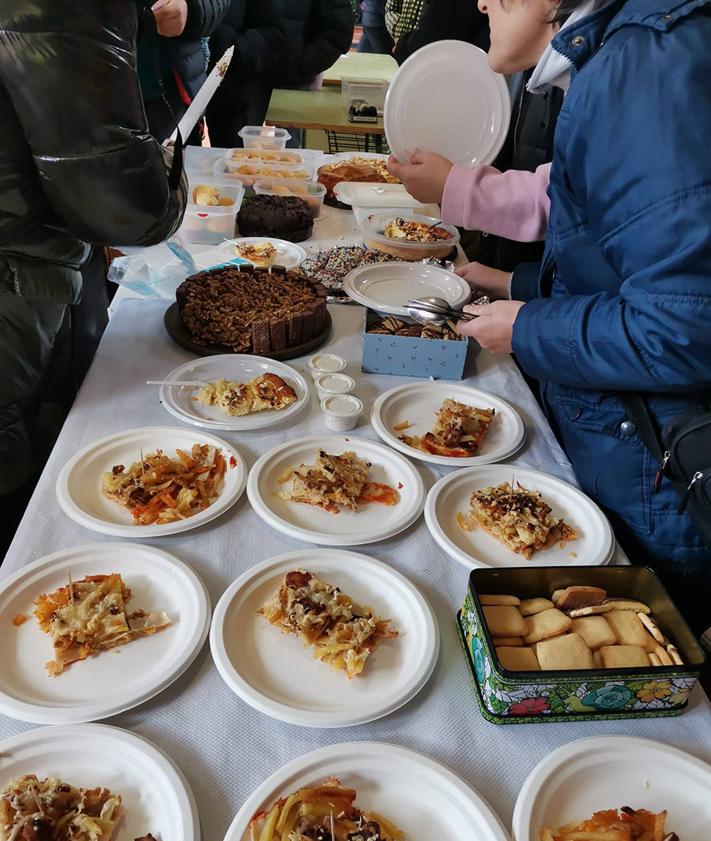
(289,254)
(116,680)
(594,545)
(422,797)
(79,483)
(349,528)
(446,99)
(609,772)
(418,403)
(238,368)
(386,287)
(156,796)
(276,675)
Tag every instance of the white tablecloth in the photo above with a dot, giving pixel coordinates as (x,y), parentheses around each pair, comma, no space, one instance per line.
(224,746)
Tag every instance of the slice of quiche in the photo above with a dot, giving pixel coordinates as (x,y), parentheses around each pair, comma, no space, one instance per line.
(32,809)
(342,633)
(89,616)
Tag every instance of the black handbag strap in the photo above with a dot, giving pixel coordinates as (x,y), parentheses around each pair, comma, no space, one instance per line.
(636,408)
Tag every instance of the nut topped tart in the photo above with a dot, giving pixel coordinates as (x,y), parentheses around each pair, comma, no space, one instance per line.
(521,519)
(252,310)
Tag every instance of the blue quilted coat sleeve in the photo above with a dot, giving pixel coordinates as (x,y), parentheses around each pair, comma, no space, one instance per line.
(632,171)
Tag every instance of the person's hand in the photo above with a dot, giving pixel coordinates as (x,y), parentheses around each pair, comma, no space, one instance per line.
(170,16)
(491,282)
(424,176)
(494,327)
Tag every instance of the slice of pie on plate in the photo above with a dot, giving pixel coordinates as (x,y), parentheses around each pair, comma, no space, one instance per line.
(337,480)
(521,519)
(325,812)
(342,633)
(261,254)
(458,430)
(267,392)
(89,616)
(51,810)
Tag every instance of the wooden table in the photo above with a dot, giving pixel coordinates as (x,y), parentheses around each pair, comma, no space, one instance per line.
(315,110)
(370,66)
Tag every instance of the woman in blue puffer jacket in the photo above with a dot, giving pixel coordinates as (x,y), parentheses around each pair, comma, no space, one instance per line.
(629,254)
(627,267)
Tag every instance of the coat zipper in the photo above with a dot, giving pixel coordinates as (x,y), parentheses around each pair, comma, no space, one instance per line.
(687,493)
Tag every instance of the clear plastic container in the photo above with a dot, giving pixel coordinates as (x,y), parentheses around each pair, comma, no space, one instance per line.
(248,172)
(203,226)
(373,231)
(310,191)
(228,191)
(264,137)
(212,223)
(200,160)
(266,155)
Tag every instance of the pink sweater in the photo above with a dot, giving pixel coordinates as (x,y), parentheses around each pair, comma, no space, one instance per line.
(512,204)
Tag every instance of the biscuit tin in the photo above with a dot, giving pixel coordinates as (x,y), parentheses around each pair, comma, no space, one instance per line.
(507,697)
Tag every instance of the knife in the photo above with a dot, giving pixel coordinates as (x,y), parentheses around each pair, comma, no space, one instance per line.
(202,98)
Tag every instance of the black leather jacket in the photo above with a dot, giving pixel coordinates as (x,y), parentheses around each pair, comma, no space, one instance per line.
(77,166)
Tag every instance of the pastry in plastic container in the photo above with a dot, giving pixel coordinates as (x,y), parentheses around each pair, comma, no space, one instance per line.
(409,238)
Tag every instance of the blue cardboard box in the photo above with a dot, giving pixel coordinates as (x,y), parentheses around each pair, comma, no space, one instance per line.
(405,356)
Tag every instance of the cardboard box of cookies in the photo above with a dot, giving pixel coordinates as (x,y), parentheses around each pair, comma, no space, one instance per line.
(560,643)
(396,345)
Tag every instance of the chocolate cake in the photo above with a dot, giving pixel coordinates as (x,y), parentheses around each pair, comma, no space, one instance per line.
(283,217)
(252,310)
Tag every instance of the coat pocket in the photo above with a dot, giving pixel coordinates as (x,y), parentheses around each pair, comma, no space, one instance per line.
(607,454)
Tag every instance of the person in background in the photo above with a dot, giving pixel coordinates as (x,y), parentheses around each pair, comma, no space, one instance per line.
(622,299)
(316,33)
(173,57)
(442,20)
(77,166)
(375,38)
(254,28)
(402,16)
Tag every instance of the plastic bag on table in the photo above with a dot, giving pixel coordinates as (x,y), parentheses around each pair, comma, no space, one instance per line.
(157,271)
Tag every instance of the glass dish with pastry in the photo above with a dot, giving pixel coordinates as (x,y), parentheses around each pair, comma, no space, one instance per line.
(458,431)
(409,238)
(265,393)
(342,634)
(334,482)
(354,169)
(520,518)
(159,489)
(86,617)
(325,812)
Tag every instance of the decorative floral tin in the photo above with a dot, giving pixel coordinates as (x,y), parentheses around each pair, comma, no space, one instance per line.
(507,697)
